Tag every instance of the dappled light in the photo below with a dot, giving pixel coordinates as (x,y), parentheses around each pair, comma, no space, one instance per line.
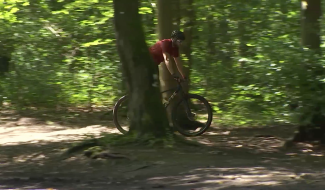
(248,138)
(162,94)
(220,164)
(49,133)
(223,178)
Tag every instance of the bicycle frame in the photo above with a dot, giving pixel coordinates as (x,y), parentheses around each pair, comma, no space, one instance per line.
(176,91)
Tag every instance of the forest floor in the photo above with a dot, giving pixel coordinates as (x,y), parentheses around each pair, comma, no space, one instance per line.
(31,147)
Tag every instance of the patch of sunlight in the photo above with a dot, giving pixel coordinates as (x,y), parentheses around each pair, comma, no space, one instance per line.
(217,133)
(318,155)
(49,133)
(26,187)
(291,154)
(205,141)
(29,157)
(228,177)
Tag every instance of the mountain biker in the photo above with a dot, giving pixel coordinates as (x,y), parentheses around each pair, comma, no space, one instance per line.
(164,50)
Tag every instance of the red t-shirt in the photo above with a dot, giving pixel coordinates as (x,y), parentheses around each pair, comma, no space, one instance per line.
(161,46)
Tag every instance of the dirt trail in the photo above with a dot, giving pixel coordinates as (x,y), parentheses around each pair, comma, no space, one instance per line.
(233,159)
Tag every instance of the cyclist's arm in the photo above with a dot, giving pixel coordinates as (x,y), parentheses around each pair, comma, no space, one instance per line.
(180,67)
(167,62)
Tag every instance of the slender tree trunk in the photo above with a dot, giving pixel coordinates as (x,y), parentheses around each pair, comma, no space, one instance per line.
(243,38)
(310,37)
(165,27)
(243,50)
(310,25)
(169,16)
(226,57)
(187,20)
(188,16)
(176,17)
(146,112)
(211,52)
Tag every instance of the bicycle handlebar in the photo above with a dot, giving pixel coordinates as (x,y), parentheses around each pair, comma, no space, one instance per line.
(179,80)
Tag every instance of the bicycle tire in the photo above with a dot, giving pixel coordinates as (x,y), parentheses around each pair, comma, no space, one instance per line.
(203,129)
(116,107)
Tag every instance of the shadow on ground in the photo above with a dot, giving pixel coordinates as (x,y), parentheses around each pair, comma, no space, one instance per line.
(230,159)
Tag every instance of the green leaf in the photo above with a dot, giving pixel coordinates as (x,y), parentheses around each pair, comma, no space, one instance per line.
(14,10)
(145,10)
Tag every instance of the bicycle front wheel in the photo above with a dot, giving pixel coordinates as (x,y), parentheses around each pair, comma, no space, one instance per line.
(192,116)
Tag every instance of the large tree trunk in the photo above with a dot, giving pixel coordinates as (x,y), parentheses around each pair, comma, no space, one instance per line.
(310,37)
(147,114)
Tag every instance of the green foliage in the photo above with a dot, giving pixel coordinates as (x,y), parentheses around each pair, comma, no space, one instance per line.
(252,66)
(63,53)
(247,59)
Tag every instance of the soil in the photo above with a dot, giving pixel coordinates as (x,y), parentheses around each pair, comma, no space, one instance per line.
(230,158)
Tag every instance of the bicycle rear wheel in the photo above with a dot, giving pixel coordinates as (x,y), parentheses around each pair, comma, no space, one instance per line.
(120,115)
(192,115)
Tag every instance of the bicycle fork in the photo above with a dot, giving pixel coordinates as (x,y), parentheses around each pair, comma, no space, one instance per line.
(189,114)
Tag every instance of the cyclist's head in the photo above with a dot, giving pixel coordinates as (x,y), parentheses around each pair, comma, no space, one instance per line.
(177,37)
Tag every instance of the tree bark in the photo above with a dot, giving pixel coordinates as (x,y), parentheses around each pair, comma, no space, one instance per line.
(188,17)
(165,27)
(4,64)
(211,53)
(170,13)
(310,37)
(310,14)
(146,112)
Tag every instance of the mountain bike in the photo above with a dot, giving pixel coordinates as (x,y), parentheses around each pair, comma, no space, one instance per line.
(184,113)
